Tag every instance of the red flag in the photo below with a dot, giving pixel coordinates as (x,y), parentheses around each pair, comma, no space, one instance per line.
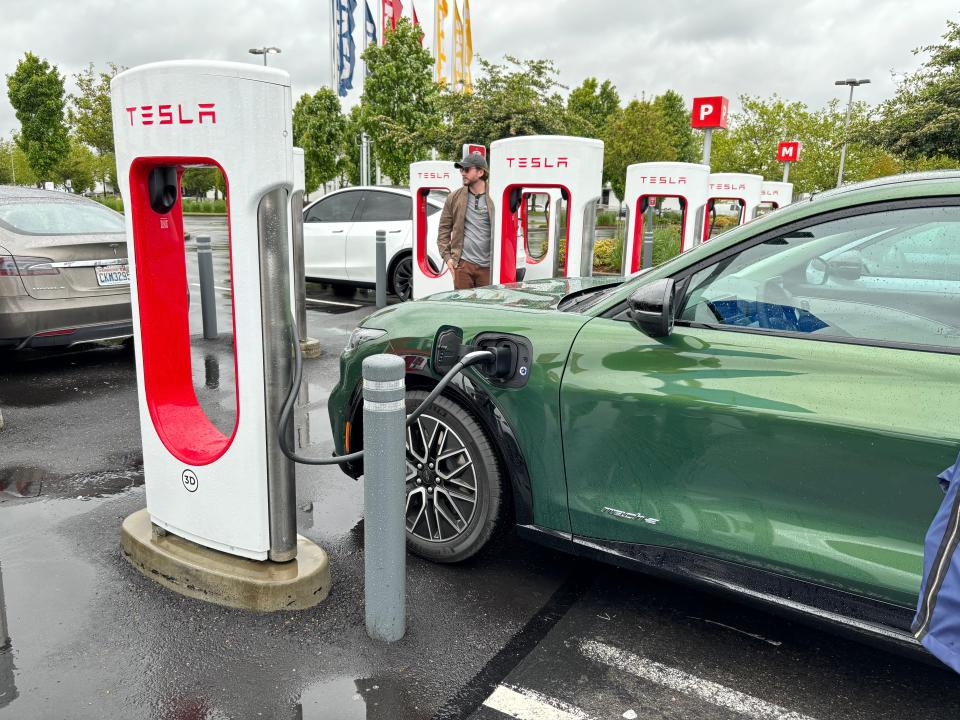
(391,13)
(416,22)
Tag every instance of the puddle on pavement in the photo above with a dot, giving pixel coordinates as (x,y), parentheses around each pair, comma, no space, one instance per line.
(359,699)
(25,483)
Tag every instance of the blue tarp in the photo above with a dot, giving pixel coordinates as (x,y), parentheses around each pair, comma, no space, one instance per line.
(937,623)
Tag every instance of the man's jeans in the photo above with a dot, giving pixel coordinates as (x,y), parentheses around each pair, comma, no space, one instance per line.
(468,275)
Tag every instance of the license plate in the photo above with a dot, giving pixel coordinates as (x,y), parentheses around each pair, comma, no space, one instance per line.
(113,275)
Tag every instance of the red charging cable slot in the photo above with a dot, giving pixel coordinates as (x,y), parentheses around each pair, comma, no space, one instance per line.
(158,242)
(635,255)
(511,220)
(422,257)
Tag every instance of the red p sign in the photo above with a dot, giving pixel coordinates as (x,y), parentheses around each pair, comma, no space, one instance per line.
(469,149)
(709,112)
(789,151)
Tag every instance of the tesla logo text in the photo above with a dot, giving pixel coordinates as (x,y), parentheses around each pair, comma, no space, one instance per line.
(172,114)
(770,193)
(538,162)
(728,186)
(662,180)
(190,480)
(434,175)
(630,516)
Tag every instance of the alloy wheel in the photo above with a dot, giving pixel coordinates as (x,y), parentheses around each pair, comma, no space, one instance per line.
(441,481)
(403,278)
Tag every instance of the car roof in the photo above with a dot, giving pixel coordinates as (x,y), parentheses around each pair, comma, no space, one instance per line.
(19,192)
(936,175)
(395,189)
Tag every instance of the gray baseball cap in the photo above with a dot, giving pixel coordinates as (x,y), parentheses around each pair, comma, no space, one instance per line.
(473,160)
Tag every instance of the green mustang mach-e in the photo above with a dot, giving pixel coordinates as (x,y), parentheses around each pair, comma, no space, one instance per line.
(766,413)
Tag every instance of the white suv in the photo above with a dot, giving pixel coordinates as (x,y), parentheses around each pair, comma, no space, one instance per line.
(339,237)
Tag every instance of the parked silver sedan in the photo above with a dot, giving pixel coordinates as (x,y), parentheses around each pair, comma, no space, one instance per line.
(64,277)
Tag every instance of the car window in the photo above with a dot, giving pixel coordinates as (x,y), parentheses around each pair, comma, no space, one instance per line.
(60,218)
(890,277)
(336,208)
(381,206)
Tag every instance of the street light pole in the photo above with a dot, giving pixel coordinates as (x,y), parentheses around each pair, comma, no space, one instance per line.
(13,147)
(852,82)
(264,51)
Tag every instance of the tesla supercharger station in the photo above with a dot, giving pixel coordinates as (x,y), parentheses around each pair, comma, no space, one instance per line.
(424,177)
(571,166)
(231,491)
(740,189)
(684,183)
(775,195)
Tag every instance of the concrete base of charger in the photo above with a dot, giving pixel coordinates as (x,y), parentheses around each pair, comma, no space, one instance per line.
(205,574)
(310,348)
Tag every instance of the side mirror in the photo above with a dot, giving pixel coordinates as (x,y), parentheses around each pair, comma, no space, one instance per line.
(651,308)
(847,265)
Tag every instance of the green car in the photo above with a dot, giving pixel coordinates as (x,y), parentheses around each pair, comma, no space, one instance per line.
(766,413)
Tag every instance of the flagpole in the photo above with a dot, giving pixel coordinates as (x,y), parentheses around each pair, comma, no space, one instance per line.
(333,48)
(436,20)
(452,57)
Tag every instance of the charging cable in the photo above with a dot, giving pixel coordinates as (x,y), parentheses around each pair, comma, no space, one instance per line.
(471,358)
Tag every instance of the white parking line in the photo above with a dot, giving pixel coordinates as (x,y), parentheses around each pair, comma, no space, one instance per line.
(524,704)
(215,287)
(680,681)
(332,302)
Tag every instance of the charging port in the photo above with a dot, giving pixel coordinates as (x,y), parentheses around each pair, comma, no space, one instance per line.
(511,368)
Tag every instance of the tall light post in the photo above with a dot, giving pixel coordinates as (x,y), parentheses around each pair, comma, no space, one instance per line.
(13,147)
(266,51)
(852,82)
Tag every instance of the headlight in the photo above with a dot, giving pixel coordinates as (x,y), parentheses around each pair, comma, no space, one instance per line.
(362,335)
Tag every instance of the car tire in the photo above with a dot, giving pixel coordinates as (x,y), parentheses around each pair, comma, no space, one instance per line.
(344,291)
(401,277)
(453,478)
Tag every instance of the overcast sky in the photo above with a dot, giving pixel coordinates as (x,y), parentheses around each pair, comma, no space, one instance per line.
(732,47)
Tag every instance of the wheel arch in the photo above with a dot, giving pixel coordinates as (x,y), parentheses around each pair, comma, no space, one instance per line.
(398,256)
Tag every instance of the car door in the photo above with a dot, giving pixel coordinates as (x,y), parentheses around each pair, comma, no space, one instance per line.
(379,210)
(783,425)
(326,225)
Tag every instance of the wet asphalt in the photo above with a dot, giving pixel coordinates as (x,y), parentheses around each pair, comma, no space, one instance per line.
(520,631)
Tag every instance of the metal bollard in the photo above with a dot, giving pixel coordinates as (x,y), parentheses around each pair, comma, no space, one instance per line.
(208,293)
(384,497)
(381,268)
(647,257)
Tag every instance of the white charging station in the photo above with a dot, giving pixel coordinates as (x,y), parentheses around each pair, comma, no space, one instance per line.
(538,264)
(426,176)
(775,194)
(685,183)
(230,491)
(740,189)
(573,167)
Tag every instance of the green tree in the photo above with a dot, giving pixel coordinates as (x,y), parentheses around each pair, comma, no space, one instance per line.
(677,118)
(89,113)
(16,171)
(922,120)
(35,90)
(519,97)
(197,182)
(348,165)
(399,105)
(590,105)
(318,129)
(638,133)
(79,167)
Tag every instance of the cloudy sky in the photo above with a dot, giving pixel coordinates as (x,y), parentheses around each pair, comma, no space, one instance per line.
(732,47)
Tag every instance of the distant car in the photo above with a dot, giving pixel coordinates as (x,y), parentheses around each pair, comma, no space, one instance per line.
(64,277)
(339,236)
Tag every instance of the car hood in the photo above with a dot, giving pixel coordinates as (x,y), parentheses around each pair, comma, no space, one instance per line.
(531,295)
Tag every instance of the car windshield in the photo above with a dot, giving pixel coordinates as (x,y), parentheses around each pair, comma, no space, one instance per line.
(60,218)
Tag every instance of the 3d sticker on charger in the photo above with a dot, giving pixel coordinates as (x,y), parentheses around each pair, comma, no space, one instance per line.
(190,481)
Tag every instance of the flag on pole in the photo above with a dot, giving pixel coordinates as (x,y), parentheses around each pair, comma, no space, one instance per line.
(467,49)
(457,48)
(392,10)
(346,48)
(416,22)
(370,32)
(441,14)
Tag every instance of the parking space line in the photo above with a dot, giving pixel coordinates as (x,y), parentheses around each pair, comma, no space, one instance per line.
(677,680)
(215,287)
(524,704)
(333,302)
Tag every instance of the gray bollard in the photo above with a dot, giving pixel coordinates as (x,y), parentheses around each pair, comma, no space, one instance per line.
(384,496)
(381,268)
(208,293)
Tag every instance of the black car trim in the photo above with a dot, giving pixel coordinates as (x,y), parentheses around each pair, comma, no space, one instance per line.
(876,618)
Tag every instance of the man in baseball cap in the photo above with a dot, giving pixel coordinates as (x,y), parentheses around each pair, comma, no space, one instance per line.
(465,238)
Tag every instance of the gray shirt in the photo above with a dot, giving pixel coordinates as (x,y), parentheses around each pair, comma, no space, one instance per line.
(477,231)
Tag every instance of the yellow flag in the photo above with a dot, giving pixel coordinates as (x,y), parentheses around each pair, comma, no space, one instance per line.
(467,49)
(458,46)
(441,15)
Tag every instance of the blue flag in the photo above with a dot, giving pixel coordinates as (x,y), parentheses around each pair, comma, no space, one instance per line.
(346,48)
(371,29)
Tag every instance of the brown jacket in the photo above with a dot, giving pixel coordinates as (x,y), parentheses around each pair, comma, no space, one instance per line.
(450,235)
